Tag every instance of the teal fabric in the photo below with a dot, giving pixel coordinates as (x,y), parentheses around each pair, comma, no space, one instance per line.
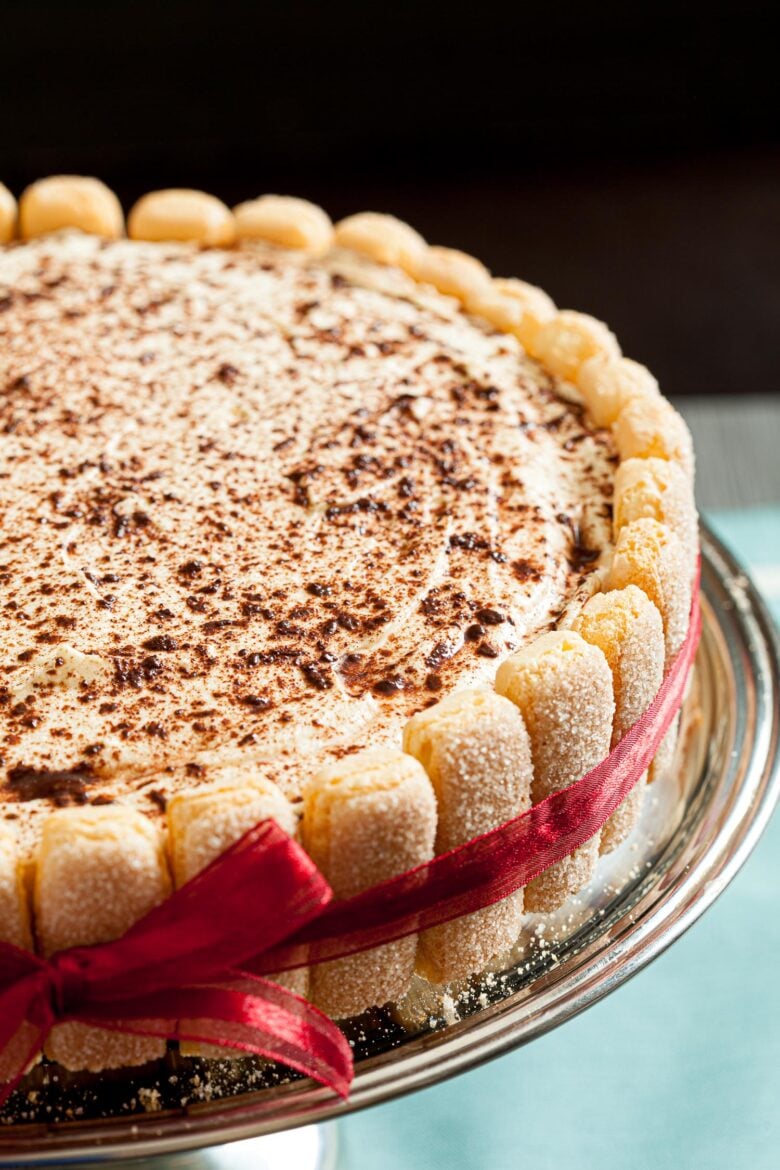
(680,1068)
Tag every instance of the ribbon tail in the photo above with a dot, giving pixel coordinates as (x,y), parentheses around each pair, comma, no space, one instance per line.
(249,1014)
(25,1022)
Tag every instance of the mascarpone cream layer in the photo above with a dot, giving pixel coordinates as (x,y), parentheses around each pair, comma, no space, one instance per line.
(257,510)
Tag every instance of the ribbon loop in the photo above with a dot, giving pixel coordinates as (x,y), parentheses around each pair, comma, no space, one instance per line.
(67,982)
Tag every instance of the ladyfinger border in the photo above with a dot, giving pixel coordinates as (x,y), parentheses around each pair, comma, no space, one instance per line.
(654,477)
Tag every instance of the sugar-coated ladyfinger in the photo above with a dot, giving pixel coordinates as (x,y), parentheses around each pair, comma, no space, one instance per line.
(569,339)
(657,489)
(563,687)
(648,554)
(98,871)
(608,383)
(70,201)
(627,627)
(14,906)
(536,308)
(203,824)
(476,751)
(182,214)
(651,428)
(454,273)
(368,817)
(8,215)
(286,221)
(382,238)
(664,758)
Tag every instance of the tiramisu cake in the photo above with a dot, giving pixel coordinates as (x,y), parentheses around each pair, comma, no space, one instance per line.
(314,522)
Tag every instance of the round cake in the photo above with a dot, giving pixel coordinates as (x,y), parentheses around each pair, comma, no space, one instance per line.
(317,523)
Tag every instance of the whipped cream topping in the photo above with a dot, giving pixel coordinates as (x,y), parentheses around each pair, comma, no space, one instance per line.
(257,510)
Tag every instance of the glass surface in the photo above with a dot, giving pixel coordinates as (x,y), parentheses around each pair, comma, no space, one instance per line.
(695,833)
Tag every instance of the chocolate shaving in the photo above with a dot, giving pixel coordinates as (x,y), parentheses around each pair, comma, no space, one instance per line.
(61,786)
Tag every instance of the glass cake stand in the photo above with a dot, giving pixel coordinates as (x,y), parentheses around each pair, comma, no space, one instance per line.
(695,833)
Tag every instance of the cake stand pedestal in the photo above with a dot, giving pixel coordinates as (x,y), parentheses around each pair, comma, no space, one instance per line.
(696,831)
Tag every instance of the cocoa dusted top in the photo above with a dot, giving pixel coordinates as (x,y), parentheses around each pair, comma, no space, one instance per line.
(257,510)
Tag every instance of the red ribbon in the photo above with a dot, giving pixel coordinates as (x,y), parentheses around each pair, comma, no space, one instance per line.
(194,959)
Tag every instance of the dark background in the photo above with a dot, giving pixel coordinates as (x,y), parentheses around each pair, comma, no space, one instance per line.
(625,156)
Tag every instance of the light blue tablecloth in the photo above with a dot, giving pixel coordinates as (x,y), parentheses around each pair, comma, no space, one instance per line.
(680,1068)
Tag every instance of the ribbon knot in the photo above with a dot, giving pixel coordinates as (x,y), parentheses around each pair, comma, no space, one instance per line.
(66,972)
(177,974)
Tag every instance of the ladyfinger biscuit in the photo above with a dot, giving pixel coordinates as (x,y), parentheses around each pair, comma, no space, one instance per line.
(182,214)
(648,428)
(502,312)
(98,871)
(8,215)
(382,238)
(627,628)
(454,273)
(476,751)
(663,759)
(648,554)
(657,489)
(368,817)
(536,307)
(563,687)
(70,201)
(286,221)
(203,824)
(14,905)
(608,383)
(569,339)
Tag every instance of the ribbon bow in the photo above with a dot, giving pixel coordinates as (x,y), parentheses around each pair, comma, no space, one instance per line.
(177,973)
(190,970)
